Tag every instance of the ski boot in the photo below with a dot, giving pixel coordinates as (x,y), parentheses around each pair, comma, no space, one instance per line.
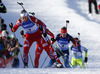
(15,63)
(25,65)
(58,65)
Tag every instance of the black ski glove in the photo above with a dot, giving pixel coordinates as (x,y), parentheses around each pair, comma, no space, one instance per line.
(86,59)
(44,34)
(22,32)
(52,39)
(11,25)
(20,45)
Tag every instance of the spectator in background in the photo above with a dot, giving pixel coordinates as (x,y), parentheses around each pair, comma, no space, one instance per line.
(90,2)
(3,26)
(14,48)
(2,7)
(5,56)
(2,10)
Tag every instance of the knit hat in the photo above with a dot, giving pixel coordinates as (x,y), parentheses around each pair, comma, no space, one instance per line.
(63,30)
(4,33)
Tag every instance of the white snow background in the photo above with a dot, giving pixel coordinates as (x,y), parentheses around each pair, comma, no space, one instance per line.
(54,14)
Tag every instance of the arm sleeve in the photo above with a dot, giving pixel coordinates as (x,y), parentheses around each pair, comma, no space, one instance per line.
(84,49)
(58,37)
(72,39)
(50,33)
(37,21)
(42,26)
(86,54)
(16,26)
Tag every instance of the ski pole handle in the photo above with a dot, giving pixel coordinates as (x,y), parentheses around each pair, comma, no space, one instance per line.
(79,36)
(67,21)
(21,5)
(32,13)
(78,33)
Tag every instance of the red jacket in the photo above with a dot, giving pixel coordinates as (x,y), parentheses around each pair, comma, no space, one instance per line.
(50,33)
(91,0)
(33,19)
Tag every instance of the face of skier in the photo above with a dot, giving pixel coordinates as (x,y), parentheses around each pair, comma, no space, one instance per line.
(24,16)
(24,19)
(77,41)
(63,35)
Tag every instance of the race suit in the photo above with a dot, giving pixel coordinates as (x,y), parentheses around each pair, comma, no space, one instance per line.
(62,48)
(77,58)
(33,33)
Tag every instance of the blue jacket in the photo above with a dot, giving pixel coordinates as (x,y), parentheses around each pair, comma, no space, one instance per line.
(63,43)
(77,51)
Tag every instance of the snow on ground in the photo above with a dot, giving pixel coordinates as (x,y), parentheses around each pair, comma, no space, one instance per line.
(49,71)
(55,13)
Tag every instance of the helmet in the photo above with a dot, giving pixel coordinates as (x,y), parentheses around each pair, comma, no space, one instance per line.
(4,33)
(12,36)
(77,40)
(63,30)
(23,13)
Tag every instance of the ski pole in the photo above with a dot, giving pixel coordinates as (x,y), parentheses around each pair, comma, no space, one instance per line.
(67,21)
(21,4)
(77,48)
(44,61)
(79,36)
(46,56)
(31,59)
(64,55)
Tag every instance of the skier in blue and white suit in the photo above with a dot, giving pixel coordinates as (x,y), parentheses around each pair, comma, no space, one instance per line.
(77,57)
(62,48)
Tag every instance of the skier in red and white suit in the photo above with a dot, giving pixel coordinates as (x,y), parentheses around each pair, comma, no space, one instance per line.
(40,49)
(31,26)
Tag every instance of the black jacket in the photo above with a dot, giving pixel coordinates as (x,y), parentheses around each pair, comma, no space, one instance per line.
(2,8)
